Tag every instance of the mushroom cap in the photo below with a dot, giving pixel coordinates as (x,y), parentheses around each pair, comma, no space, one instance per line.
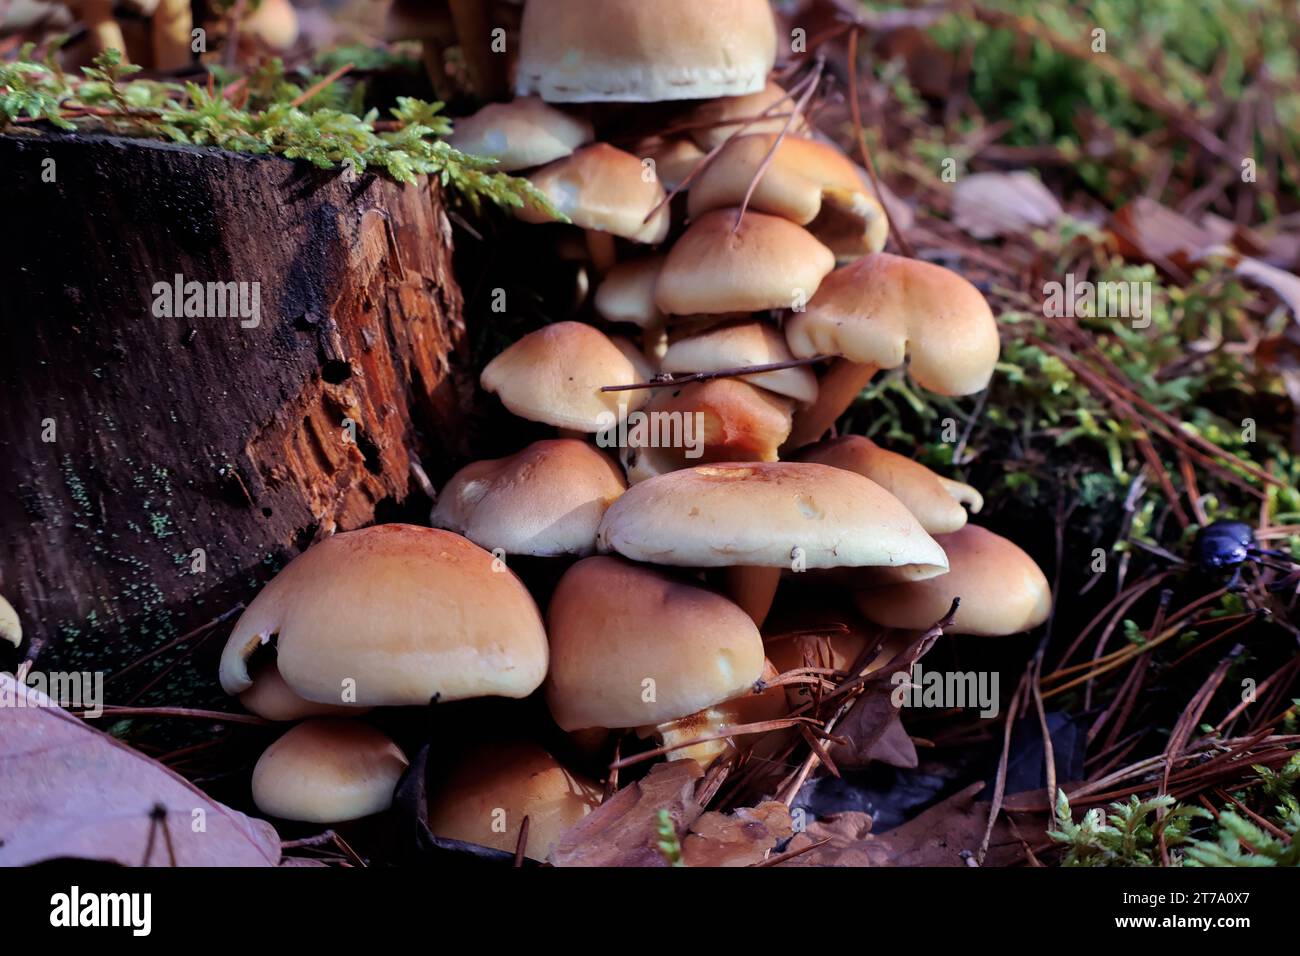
(627,293)
(404,614)
(737,344)
(274,22)
(644,365)
(768,263)
(554,375)
(1002,590)
(11,628)
(603,188)
(270,697)
(545,500)
(631,51)
(808,182)
(739,423)
(884,308)
(520,134)
(498,784)
(714,121)
(759,513)
(616,625)
(674,157)
(328,770)
(936,501)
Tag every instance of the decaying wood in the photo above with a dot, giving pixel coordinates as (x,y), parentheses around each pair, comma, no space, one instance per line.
(157,469)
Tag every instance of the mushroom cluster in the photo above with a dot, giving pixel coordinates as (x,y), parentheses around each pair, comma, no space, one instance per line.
(733,256)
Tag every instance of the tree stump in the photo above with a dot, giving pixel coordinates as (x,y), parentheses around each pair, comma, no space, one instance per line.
(164,454)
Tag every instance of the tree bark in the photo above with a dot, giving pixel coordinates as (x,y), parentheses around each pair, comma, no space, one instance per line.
(155,468)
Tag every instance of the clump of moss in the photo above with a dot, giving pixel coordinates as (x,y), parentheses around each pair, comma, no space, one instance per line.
(262,113)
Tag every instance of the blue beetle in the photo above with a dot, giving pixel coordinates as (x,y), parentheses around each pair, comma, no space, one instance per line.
(1223,545)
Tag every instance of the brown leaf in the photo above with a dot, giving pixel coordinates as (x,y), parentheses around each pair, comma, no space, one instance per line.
(938,837)
(993,205)
(1147,230)
(71,791)
(624,830)
(741,838)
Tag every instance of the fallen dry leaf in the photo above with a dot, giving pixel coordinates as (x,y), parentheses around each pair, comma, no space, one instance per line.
(993,205)
(624,830)
(72,791)
(740,838)
(938,837)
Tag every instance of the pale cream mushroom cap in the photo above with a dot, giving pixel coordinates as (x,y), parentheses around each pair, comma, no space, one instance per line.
(936,501)
(554,375)
(645,367)
(403,614)
(601,187)
(808,182)
(498,784)
(1002,590)
(737,422)
(633,51)
(270,697)
(328,770)
(627,293)
(11,628)
(767,263)
(883,309)
(714,121)
(274,22)
(737,344)
(759,513)
(615,625)
(545,500)
(520,134)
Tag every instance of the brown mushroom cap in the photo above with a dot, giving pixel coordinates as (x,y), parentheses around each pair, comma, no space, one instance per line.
(808,182)
(631,51)
(738,423)
(545,500)
(520,134)
(759,513)
(555,375)
(270,697)
(1002,590)
(632,646)
(398,613)
(603,188)
(884,308)
(737,344)
(768,263)
(490,790)
(675,158)
(936,501)
(714,121)
(328,771)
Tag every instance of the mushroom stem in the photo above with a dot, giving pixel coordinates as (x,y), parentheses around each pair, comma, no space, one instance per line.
(170,28)
(600,246)
(431,56)
(700,724)
(753,588)
(836,391)
(104,32)
(473,22)
(654,339)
